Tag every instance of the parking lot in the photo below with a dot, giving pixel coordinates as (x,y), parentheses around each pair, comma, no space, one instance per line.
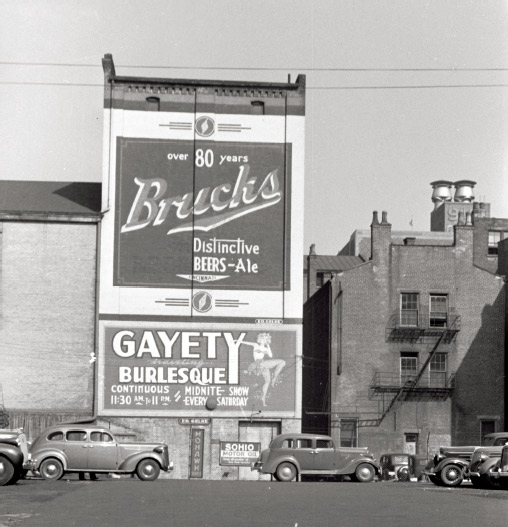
(129,502)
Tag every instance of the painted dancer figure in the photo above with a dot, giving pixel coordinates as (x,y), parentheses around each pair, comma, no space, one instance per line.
(264,366)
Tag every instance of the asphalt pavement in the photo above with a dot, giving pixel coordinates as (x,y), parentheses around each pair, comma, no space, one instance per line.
(128,502)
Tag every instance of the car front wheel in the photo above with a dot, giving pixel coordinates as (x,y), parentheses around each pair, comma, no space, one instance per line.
(51,469)
(451,475)
(148,470)
(286,472)
(364,473)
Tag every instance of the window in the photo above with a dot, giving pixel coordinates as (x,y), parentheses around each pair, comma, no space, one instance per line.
(437,370)
(304,443)
(258,107)
(409,309)
(348,432)
(408,366)
(323,443)
(101,437)
(438,311)
(76,435)
(153,104)
(320,279)
(288,443)
(494,238)
(55,436)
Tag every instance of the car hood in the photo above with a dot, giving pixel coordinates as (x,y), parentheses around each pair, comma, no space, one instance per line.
(135,447)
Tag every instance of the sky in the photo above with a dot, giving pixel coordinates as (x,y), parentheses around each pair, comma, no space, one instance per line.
(400,93)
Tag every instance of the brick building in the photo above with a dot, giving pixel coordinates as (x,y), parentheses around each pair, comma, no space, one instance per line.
(48,262)
(406,351)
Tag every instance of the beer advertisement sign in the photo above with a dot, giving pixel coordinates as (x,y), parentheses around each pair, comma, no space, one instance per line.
(212,214)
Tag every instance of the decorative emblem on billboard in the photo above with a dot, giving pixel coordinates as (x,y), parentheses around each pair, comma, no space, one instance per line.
(202,302)
(205,126)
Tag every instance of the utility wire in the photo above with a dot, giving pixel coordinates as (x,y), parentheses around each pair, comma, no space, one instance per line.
(244,68)
(388,87)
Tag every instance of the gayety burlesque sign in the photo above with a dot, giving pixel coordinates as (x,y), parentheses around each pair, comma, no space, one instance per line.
(212,213)
(163,368)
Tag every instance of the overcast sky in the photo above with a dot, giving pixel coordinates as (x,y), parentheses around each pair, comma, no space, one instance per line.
(400,92)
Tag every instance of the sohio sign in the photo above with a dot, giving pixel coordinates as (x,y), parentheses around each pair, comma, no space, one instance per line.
(217,213)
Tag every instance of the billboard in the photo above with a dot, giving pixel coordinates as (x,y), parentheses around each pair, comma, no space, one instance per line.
(193,369)
(212,213)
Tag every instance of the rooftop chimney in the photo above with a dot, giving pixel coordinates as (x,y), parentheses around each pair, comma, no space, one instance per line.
(464,191)
(442,192)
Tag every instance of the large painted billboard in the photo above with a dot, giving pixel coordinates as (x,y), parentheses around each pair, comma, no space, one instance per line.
(192,369)
(212,213)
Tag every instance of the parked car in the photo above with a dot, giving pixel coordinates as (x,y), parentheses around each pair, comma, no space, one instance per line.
(13,456)
(75,448)
(450,465)
(398,466)
(498,474)
(292,455)
(483,460)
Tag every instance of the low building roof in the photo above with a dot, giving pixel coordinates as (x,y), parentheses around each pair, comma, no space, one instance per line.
(55,197)
(334,263)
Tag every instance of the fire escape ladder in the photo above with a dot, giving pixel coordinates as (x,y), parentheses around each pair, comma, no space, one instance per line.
(405,388)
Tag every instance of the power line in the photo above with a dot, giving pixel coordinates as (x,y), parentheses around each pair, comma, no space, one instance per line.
(388,87)
(246,68)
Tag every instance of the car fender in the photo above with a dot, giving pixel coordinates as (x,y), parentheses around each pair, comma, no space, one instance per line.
(488,464)
(12,453)
(45,454)
(130,463)
(271,465)
(464,464)
(351,466)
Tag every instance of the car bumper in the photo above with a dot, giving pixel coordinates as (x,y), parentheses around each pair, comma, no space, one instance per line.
(170,467)
(498,475)
(429,472)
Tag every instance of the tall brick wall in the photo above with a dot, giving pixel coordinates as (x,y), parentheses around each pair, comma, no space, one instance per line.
(47,317)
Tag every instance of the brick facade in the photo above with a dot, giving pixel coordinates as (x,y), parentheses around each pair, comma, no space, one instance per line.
(367,297)
(47,320)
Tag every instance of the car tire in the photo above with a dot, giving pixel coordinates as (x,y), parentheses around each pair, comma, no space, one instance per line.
(364,473)
(435,480)
(451,475)
(403,474)
(286,472)
(51,469)
(7,471)
(148,470)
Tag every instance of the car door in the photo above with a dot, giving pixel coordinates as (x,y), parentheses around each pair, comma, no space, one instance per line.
(324,455)
(75,448)
(102,451)
(304,453)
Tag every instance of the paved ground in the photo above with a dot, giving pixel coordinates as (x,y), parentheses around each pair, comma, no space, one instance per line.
(129,502)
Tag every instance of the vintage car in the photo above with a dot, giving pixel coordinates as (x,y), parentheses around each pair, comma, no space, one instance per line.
(483,460)
(398,466)
(292,455)
(93,449)
(498,474)
(450,465)
(13,456)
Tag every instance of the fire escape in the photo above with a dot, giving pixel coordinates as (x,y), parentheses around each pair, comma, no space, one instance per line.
(391,388)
